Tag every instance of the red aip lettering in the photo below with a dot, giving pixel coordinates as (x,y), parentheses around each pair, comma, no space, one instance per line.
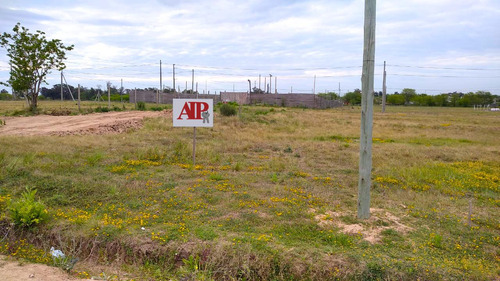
(193,110)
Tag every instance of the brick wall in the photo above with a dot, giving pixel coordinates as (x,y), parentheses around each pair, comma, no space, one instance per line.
(166,98)
(289,100)
(292,100)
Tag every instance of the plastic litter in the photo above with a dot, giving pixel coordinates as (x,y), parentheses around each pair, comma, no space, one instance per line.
(56,253)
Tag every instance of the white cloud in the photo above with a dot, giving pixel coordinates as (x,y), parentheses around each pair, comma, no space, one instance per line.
(264,36)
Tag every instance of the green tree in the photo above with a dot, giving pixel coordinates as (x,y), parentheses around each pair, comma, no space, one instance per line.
(408,94)
(4,95)
(32,56)
(395,99)
(353,97)
(441,100)
(329,95)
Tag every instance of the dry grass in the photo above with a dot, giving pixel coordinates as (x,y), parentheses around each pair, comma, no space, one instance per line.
(274,195)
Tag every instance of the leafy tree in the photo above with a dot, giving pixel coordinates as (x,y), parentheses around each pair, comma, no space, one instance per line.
(256,90)
(396,99)
(31,57)
(189,92)
(329,96)
(4,95)
(441,100)
(423,100)
(408,94)
(353,97)
(55,92)
(454,98)
(167,89)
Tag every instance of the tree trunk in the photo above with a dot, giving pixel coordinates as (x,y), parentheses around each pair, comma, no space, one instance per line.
(34,102)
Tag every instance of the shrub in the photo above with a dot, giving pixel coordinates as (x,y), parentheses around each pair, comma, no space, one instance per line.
(26,211)
(227,110)
(157,108)
(101,109)
(141,105)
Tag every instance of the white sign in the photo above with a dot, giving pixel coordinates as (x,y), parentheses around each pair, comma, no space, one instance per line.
(193,112)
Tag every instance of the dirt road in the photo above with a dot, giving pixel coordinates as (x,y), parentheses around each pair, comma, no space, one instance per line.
(11,270)
(96,123)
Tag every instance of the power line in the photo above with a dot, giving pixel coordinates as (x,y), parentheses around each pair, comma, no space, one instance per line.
(444,68)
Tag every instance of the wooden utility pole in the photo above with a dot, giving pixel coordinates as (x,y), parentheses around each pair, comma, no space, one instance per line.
(173,77)
(121,90)
(192,81)
(270,84)
(79,109)
(11,87)
(365,153)
(276,85)
(314,85)
(384,90)
(62,86)
(161,85)
(109,95)
(194,128)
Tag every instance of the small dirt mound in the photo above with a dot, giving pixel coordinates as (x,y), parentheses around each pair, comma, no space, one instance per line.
(379,221)
(96,123)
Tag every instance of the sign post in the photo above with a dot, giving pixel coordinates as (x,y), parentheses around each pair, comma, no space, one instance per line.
(193,113)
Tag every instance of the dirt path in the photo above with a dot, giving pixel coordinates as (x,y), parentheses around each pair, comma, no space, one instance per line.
(97,123)
(11,270)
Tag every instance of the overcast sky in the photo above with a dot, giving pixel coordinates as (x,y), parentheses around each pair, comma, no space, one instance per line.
(433,46)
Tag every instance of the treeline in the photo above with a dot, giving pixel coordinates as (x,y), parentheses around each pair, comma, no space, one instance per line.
(410,97)
(117,94)
(69,92)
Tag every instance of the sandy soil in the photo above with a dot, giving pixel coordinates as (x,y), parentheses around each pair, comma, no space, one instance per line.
(11,270)
(371,234)
(97,123)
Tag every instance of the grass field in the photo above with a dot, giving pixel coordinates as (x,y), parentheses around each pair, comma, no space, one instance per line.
(273,196)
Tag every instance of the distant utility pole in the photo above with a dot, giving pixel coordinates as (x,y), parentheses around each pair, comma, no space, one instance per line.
(270,83)
(173,76)
(259,81)
(314,85)
(365,152)
(109,95)
(62,86)
(121,90)
(12,87)
(276,84)
(192,81)
(161,84)
(265,83)
(79,109)
(384,90)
